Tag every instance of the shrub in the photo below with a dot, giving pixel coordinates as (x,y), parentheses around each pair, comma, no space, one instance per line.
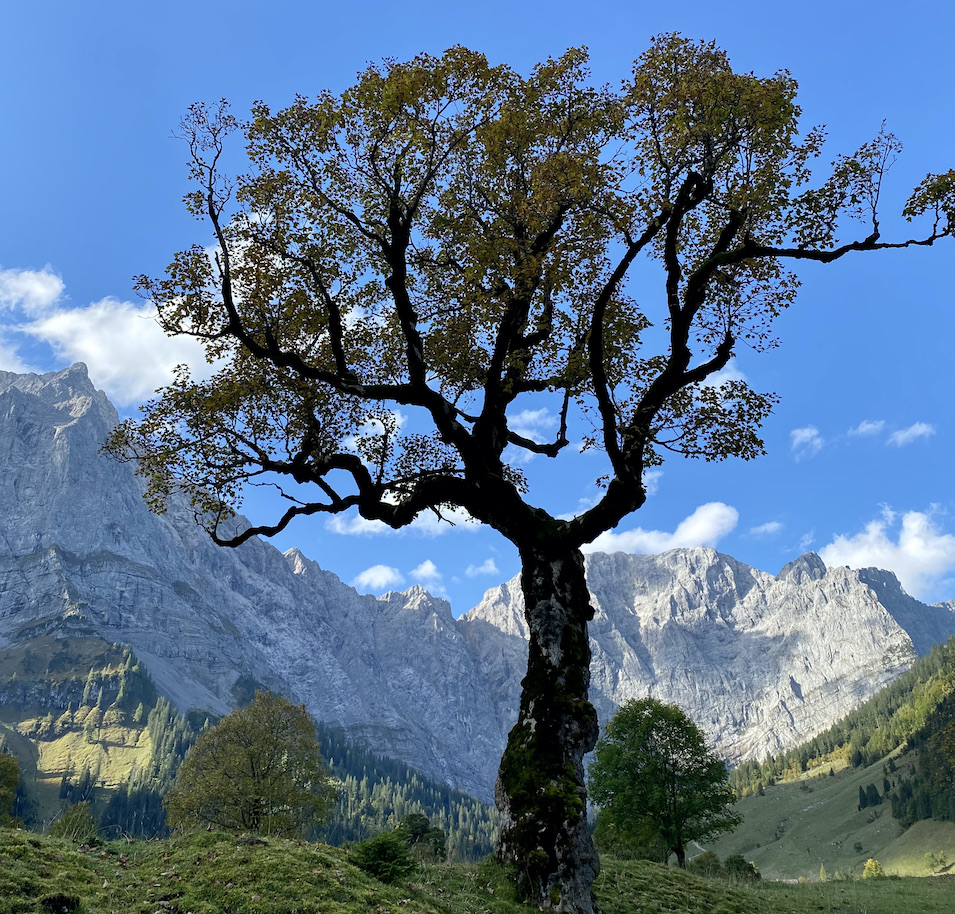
(740,869)
(386,857)
(60,903)
(872,870)
(427,842)
(705,864)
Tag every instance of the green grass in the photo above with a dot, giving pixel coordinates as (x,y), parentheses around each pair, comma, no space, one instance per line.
(220,874)
(906,855)
(799,826)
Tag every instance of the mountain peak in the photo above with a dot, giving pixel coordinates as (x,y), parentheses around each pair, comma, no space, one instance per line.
(808,567)
(69,392)
(75,379)
(399,674)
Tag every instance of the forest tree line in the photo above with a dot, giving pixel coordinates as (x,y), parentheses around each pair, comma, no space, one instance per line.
(915,712)
(374,793)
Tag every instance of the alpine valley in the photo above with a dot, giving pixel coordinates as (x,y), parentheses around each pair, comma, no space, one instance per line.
(761,662)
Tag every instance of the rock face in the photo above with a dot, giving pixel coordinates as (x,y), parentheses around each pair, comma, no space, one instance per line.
(761,662)
(80,553)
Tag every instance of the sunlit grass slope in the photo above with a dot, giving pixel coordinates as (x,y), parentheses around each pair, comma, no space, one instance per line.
(213,873)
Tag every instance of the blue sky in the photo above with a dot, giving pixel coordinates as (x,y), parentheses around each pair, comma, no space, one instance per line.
(859,465)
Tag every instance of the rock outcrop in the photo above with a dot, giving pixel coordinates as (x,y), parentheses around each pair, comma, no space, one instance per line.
(760,661)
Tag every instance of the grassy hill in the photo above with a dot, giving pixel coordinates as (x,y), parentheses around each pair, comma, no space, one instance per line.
(829,803)
(210,873)
(797,827)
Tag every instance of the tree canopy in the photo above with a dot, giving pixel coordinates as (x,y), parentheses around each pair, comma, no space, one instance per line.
(657,784)
(258,770)
(457,241)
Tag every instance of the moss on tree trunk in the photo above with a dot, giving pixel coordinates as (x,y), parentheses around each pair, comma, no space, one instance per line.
(540,789)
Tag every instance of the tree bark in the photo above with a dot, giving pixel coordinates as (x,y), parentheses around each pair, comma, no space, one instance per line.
(540,790)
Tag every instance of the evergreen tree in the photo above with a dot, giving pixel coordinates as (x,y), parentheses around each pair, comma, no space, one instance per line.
(9,785)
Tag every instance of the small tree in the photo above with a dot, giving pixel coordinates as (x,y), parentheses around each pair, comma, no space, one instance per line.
(427,841)
(258,770)
(653,775)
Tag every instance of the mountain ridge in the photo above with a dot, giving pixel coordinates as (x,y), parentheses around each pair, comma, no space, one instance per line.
(79,551)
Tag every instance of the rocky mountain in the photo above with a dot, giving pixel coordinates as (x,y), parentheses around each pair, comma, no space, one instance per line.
(761,661)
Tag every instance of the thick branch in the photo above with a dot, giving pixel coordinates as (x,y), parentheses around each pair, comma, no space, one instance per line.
(751,249)
(598,367)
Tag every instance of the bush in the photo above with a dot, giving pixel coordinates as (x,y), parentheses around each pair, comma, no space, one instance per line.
(706,864)
(740,869)
(60,903)
(386,857)
(427,842)
(872,870)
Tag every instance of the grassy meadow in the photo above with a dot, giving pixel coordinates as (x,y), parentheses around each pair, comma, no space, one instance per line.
(213,873)
(798,827)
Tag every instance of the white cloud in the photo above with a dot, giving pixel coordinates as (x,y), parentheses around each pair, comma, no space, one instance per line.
(912,433)
(868,427)
(356,525)
(32,290)
(531,423)
(767,529)
(427,573)
(126,351)
(651,480)
(704,527)
(730,373)
(10,359)
(488,566)
(426,524)
(583,504)
(806,442)
(914,548)
(806,540)
(378,579)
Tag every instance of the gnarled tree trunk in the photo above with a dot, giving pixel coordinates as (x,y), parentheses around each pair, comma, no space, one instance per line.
(540,789)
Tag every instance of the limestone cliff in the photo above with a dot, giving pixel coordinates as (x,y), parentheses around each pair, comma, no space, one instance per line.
(761,661)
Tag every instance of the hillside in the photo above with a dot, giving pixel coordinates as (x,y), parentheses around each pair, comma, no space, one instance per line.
(202,873)
(86,723)
(876,784)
